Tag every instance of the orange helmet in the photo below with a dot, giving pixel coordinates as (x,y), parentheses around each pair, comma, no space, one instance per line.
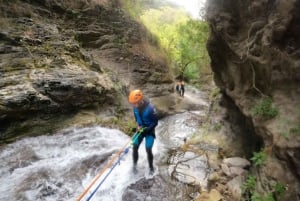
(135,96)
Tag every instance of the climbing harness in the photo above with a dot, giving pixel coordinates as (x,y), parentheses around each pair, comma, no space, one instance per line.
(122,152)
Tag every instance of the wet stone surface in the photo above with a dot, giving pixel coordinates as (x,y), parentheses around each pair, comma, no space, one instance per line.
(189,168)
(158,189)
(149,189)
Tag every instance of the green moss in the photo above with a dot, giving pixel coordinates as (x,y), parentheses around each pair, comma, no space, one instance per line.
(292,132)
(215,92)
(217,127)
(288,128)
(265,109)
(125,126)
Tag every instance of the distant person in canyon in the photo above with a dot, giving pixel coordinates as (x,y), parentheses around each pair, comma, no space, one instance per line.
(180,89)
(146,120)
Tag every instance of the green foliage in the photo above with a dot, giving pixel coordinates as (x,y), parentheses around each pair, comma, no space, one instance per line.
(256,197)
(264,109)
(279,189)
(217,127)
(298,111)
(289,127)
(164,23)
(117,122)
(135,8)
(250,184)
(192,73)
(194,53)
(293,131)
(285,134)
(214,92)
(250,194)
(183,39)
(269,197)
(192,49)
(259,158)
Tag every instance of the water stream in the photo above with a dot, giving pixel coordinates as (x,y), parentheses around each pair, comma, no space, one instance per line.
(61,166)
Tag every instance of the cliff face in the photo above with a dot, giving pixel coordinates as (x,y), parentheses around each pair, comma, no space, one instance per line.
(255,51)
(58,57)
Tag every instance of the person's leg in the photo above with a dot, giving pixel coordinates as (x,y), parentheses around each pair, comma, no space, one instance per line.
(149,145)
(150,158)
(135,152)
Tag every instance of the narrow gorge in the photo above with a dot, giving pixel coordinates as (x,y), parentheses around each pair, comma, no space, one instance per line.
(73,63)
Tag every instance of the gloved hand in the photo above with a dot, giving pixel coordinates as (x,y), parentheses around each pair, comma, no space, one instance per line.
(144,131)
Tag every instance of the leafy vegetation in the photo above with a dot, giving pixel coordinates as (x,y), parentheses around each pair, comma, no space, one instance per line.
(119,123)
(250,193)
(256,197)
(135,8)
(298,111)
(279,189)
(250,184)
(293,131)
(182,38)
(288,127)
(259,158)
(265,109)
(269,197)
(217,127)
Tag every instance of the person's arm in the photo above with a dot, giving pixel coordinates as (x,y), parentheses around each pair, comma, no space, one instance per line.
(135,118)
(154,120)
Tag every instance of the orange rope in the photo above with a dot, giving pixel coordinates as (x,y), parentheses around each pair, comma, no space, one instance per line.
(103,170)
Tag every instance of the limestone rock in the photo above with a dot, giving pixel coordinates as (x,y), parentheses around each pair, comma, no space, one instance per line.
(236,161)
(235,187)
(213,195)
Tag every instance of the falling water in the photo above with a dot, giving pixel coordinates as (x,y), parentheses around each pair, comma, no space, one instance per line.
(61,166)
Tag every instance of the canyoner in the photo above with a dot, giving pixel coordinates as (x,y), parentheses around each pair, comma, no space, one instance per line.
(146,117)
(99,179)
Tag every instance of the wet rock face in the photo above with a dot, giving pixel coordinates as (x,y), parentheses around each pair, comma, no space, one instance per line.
(149,189)
(252,37)
(157,188)
(41,63)
(254,48)
(44,71)
(54,55)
